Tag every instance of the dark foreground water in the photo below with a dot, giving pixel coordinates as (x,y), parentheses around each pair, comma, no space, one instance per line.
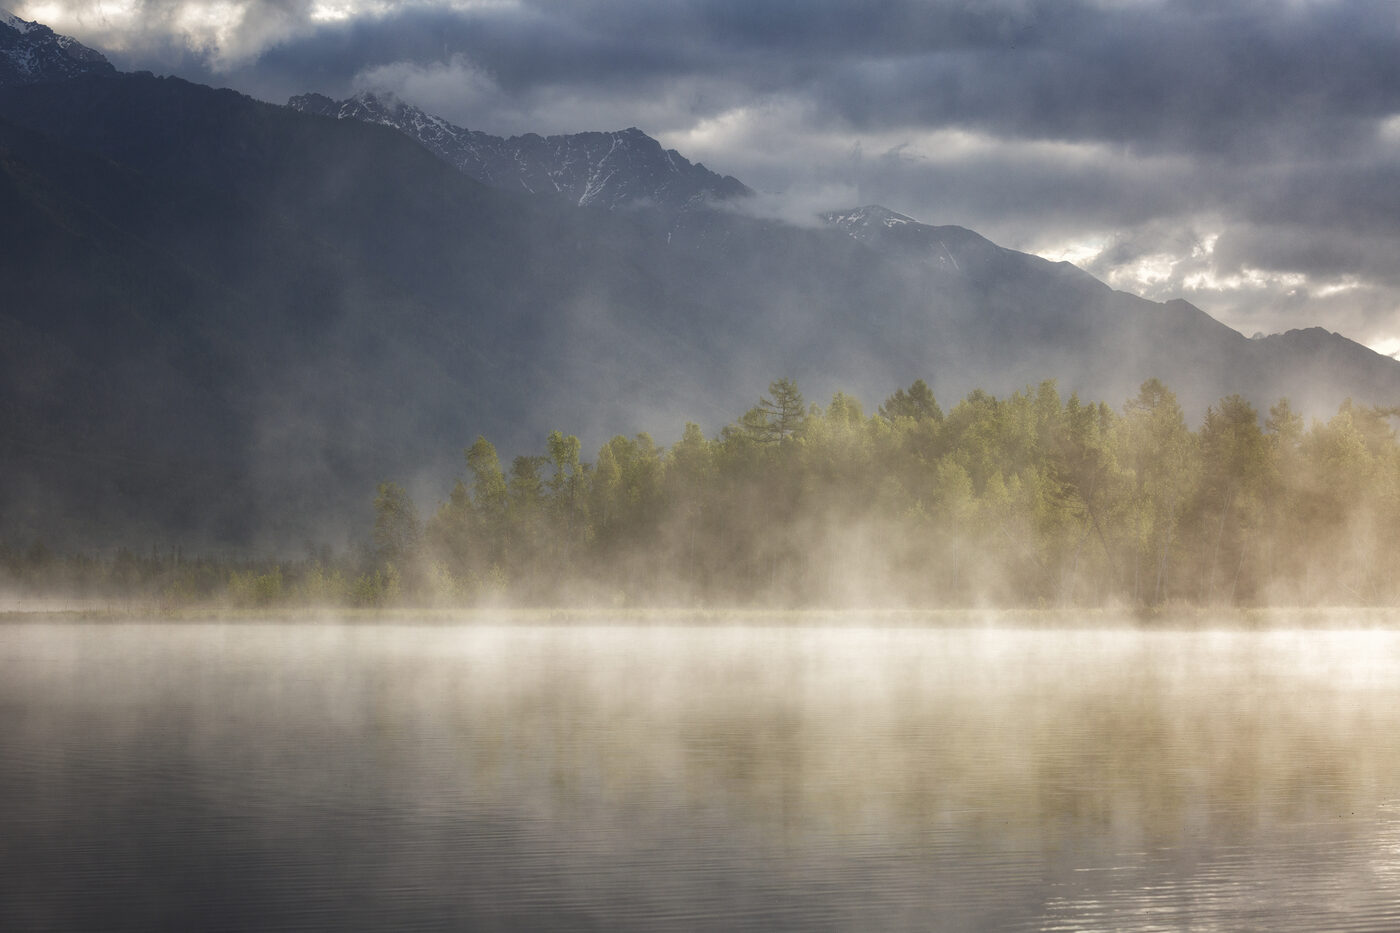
(317,777)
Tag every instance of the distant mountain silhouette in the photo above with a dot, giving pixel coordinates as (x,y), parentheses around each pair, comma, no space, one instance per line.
(1031,316)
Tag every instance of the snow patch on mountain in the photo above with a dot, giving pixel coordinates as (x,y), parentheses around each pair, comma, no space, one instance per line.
(14,22)
(864,222)
(881,227)
(32,52)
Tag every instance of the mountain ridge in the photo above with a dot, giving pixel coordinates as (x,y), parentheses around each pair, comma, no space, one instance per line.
(32,52)
(599,169)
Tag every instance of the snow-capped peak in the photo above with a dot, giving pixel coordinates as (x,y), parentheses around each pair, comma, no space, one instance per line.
(32,52)
(871,215)
(600,169)
(14,22)
(871,223)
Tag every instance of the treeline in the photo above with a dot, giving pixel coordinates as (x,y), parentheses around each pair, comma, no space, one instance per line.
(36,576)
(1031,499)
(1027,500)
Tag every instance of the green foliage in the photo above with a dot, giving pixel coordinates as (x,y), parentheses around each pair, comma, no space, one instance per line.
(777,419)
(488,482)
(451,530)
(917,403)
(1162,458)
(256,590)
(1030,499)
(320,586)
(396,527)
(375,588)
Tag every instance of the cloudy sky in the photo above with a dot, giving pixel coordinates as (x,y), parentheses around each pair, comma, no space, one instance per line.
(1242,155)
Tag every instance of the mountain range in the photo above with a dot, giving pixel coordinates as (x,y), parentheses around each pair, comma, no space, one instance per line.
(225,320)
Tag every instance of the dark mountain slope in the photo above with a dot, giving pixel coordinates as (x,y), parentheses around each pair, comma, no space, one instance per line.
(111,388)
(317,305)
(181,293)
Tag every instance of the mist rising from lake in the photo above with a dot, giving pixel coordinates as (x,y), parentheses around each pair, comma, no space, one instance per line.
(314,776)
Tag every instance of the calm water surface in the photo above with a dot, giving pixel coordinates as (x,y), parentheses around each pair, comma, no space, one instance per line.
(312,776)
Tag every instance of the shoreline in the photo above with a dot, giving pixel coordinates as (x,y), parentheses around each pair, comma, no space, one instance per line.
(1165,619)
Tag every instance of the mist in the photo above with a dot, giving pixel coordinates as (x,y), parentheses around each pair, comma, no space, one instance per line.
(1029,501)
(660,776)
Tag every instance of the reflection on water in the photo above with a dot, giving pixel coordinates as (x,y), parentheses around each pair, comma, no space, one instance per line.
(367,777)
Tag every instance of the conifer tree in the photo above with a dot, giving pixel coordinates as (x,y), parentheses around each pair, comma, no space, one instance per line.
(776,419)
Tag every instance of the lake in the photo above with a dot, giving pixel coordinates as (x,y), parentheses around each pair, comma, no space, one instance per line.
(314,776)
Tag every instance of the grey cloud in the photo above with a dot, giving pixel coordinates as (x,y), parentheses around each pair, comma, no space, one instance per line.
(1175,237)
(1364,314)
(1316,219)
(1355,196)
(1169,74)
(1320,253)
(1007,187)
(1248,79)
(1237,83)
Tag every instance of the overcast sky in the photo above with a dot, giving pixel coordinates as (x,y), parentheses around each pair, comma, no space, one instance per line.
(1242,155)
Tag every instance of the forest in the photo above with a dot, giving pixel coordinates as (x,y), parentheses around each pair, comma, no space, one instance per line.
(1023,501)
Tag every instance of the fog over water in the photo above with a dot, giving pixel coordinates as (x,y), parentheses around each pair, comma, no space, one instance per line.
(651,776)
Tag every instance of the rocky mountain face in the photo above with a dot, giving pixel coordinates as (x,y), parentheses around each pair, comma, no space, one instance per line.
(608,170)
(31,52)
